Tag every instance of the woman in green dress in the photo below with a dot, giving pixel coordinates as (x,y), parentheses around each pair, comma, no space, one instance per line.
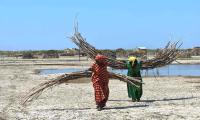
(134,67)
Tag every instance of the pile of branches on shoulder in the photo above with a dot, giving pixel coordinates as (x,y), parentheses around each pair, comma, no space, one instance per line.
(163,57)
(35,92)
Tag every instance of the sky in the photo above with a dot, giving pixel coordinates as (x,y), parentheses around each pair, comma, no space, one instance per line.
(106,24)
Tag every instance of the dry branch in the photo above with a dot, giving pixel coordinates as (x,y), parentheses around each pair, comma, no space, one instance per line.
(35,92)
(163,57)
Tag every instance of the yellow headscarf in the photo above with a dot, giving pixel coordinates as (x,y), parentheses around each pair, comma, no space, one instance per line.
(132,59)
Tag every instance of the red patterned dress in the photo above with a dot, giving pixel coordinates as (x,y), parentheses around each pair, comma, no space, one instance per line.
(100,80)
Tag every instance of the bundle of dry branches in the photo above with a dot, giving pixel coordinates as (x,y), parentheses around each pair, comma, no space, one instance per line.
(163,57)
(35,92)
(92,52)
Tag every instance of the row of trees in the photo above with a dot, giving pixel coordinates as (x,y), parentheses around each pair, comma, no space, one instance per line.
(38,52)
(72,52)
(68,52)
(32,53)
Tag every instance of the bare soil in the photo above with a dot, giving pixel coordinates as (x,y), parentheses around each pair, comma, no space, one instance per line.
(163,97)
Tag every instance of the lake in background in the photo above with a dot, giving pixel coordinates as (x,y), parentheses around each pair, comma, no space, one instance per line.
(170,70)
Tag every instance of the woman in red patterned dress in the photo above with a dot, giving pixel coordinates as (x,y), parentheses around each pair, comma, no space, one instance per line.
(100,80)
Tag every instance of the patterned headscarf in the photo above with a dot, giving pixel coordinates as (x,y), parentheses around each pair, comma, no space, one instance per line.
(100,58)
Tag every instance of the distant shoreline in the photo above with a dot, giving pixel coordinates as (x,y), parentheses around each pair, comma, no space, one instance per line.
(71,61)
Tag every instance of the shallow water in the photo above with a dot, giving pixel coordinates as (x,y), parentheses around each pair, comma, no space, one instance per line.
(170,70)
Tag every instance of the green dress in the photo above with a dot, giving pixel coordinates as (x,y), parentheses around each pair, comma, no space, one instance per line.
(134,92)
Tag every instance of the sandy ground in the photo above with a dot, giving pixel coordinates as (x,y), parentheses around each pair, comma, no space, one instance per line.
(170,98)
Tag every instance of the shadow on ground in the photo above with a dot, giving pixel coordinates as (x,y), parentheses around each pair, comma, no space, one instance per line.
(106,108)
(125,107)
(170,99)
(120,107)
